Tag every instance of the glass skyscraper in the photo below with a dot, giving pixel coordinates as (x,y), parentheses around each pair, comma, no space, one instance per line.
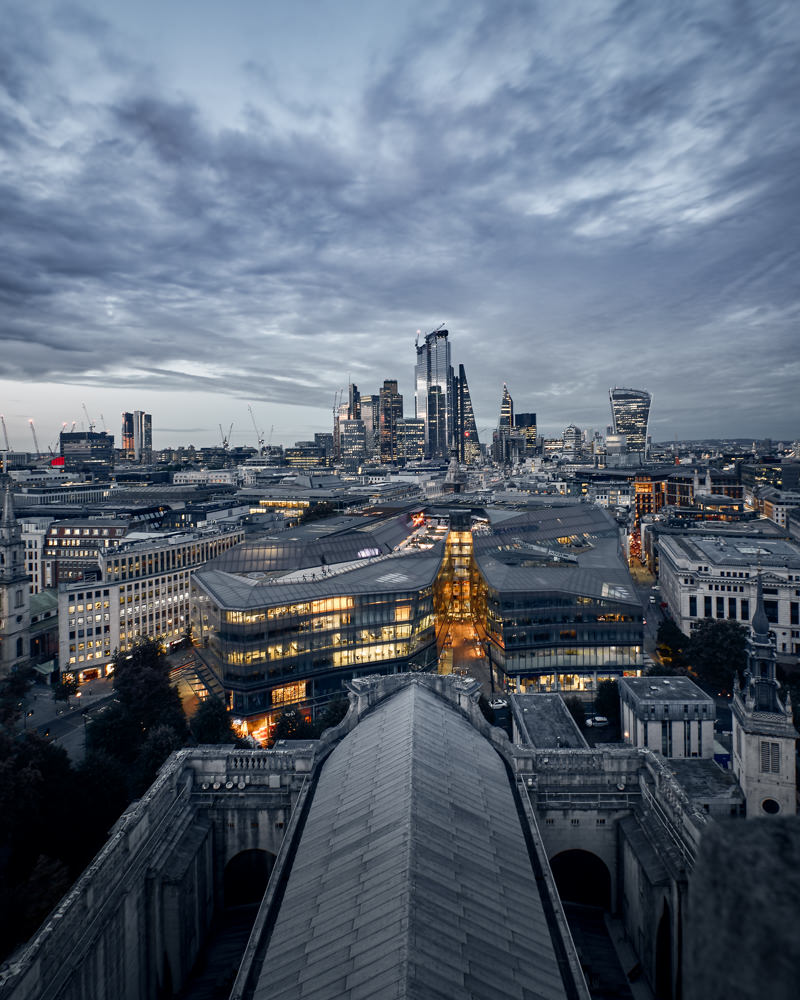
(630,410)
(466,437)
(433,393)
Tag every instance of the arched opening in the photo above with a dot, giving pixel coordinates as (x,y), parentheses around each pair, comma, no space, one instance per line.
(581,877)
(246,877)
(663,982)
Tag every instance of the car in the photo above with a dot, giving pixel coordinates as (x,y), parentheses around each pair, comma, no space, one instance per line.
(652,598)
(597,720)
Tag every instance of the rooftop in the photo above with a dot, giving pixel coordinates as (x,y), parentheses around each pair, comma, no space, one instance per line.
(661,689)
(412,877)
(544,722)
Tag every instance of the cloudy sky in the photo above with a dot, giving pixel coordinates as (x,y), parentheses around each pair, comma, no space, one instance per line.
(205,205)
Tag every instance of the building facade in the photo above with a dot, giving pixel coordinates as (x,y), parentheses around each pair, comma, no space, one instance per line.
(716,576)
(390,406)
(670,715)
(630,412)
(142,590)
(88,452)
(15,590)
(433,393)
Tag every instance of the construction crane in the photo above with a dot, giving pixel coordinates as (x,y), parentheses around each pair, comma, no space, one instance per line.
(89,420)
(35,439)
(259,434)
(52,447)
(103,422)
(225,440)
(5,432)
(74,425)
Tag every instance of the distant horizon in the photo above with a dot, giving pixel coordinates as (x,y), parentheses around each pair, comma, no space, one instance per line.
(259,204)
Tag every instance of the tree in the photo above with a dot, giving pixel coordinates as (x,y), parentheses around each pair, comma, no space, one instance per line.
(211,723)
(717,650)
(142,683)
(606,701)
(672,646)
(292,725)
(161,741)
(576,710)
(65,689)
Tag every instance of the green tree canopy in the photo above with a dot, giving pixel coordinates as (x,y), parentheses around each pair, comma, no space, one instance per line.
(672,646)
(292,725)
(212,723)
(717,650)
(142,683)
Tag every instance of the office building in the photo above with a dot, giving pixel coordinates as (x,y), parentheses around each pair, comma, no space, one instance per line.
(630,411)
(433,393)
(352,444)
(371,415)
(671,715)
(716,576)
(137,436)
(411,439)
(466,442)
(525,424)
(390,405)
(141,590)
(88,452)
(506,409)
(15,590)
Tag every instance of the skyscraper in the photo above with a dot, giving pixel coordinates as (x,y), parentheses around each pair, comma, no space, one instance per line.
(137,435)
(370,414)
(630,410)
(506,408)
(525,424)
(466,434)
(433,393)
(391,410)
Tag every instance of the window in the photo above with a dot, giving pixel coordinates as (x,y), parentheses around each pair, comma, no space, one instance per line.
(692,606)
(770,757)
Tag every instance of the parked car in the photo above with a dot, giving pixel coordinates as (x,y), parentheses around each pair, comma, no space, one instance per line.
(597,720)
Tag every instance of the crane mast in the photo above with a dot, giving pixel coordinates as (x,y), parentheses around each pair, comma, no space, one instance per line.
(259,434)
(5,432)
(35,439)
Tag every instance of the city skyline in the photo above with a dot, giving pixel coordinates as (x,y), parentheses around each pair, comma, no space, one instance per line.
(257,205)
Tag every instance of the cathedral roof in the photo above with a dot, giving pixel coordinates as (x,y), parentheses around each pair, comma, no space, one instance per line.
(413,876)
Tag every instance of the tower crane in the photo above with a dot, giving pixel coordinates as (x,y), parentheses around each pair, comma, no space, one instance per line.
(259,434)
(51,447)
(89,420)
(103,422)
(225,440)
(5,432)
(35,439)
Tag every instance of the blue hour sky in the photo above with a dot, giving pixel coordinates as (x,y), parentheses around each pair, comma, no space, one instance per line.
(207,204)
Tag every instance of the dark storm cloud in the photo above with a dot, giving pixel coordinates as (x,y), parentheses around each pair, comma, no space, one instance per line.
(605,195)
